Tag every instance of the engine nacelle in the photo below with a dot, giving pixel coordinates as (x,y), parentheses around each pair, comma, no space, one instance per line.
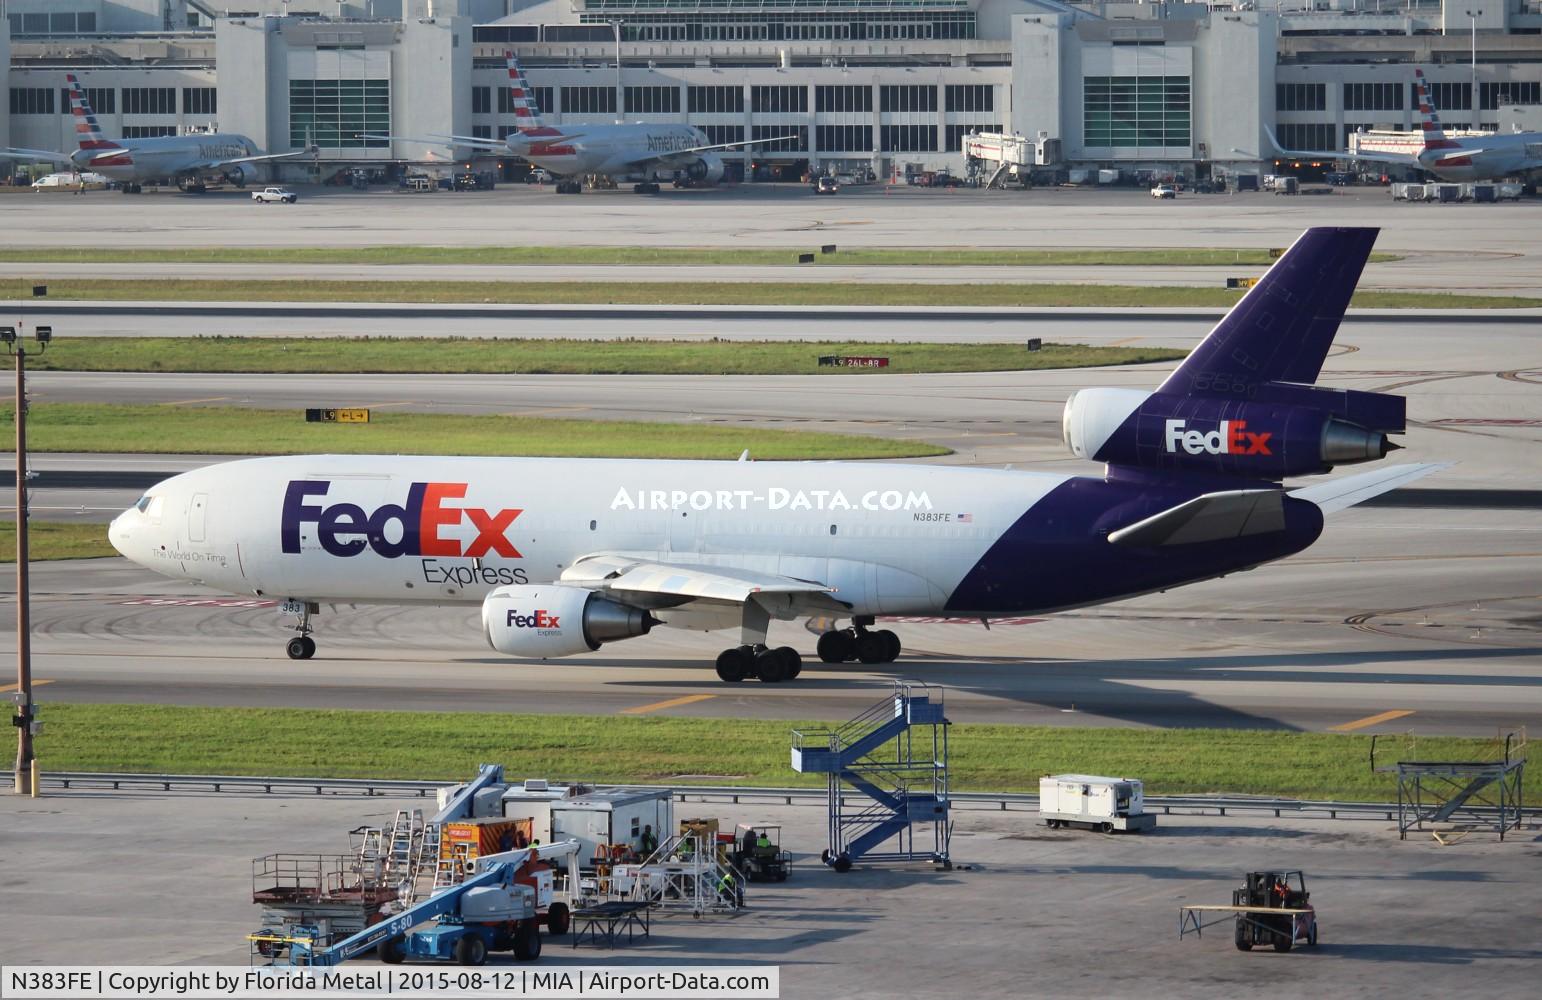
(557,620)
(707,169)
(242,174)
(1258,438)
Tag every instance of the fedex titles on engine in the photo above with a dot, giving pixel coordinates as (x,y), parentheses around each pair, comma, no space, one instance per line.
(1231,438)
(412,528)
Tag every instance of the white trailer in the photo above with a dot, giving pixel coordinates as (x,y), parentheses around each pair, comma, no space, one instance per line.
(600,816)
(1095,802)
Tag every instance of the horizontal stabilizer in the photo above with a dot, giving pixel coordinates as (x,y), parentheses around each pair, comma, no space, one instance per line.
(1339,494)
(1209,518)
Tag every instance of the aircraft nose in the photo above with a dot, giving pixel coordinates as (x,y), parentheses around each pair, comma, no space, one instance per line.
(121,534)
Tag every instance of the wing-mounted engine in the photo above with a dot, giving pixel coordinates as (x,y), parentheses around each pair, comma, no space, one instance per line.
(555,620)
(707,168)
(242,174)
(1268,430)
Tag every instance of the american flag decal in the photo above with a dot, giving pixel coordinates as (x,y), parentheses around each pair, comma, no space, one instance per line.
(966,518)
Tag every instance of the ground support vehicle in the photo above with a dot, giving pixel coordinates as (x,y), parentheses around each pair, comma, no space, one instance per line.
(1270,908)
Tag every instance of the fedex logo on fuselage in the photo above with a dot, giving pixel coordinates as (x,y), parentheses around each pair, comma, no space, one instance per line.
(1231,438)
(541,619)
(346,529)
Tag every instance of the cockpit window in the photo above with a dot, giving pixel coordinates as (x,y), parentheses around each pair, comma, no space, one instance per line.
(143,504)
(148,505)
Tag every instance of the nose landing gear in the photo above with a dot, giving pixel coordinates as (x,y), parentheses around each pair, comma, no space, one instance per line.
(302,646)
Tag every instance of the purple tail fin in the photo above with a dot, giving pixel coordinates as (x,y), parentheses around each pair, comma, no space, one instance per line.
(1284,325)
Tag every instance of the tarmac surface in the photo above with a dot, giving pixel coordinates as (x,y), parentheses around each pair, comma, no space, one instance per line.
(1024,907)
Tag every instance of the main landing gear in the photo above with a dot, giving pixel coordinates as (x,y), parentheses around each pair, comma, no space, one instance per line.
(302,646)
(857,643)
(772,666)
(648,188)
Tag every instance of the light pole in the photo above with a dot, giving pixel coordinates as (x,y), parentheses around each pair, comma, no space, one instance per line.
(615,29)
(1477,105)
(25,718)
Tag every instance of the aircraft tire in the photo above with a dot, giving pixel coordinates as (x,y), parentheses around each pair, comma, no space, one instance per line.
(871,648)
(772,667)
(733,665)
(837,646)
(296,647)
(892,645)
(792,659)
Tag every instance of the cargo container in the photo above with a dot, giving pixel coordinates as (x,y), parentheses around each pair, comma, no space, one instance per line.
(1093,802)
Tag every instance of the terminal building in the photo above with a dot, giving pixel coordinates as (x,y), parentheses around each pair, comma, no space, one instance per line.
(889,87)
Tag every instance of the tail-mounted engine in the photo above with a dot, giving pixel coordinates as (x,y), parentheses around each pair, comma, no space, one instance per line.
(556,620)
(1278,430)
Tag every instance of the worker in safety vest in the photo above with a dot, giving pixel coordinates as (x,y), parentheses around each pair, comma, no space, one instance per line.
(650,841)
(729,891)
(763,843)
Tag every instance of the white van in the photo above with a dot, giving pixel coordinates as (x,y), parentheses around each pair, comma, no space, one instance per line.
(71,180)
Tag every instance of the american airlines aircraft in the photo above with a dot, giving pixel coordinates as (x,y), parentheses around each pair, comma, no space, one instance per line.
(1467,158)
(630,152)
(191,159)
(564,555)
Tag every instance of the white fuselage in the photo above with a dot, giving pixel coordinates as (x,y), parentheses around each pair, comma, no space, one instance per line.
(614,150)
(1493,157)
(889,538)
(167,156)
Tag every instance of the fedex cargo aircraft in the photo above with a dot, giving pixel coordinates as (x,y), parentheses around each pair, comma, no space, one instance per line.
(564,555)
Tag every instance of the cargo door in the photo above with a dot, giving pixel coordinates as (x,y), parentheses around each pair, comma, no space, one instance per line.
(196,513)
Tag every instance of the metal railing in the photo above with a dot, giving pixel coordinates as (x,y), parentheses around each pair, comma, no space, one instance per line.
(1177,805)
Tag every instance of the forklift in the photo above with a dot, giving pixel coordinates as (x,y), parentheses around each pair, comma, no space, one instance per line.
(1292,920)
(758,853)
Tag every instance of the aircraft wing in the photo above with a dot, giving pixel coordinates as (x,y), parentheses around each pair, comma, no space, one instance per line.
(1208,518)
(659,584)
(17,153)
(1340,494)
(216,164)
(1457,154)
(663,157)
(1340,154)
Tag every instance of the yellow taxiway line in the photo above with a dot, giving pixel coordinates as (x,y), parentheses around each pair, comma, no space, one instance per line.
(13,687)
(689,699)
(1370,720)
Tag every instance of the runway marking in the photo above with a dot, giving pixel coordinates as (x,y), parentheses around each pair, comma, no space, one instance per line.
(187,402)
(13,687)
(1122,341)
(549,409)
(689,699)
(1370,720)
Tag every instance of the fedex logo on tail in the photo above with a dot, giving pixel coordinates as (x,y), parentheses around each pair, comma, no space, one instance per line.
(347,529)
(1231,438)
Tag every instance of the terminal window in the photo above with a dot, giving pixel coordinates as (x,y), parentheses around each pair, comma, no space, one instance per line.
(1373,97)
(971,97)
(715,100)
(337,114)
(718,135)
(844,138)
(32,101)
(540,100)
(103,100)
(1497,95)
(481,131)
(843,99)
(1136,112)
(909,97)
(797,142)
(956,135)
(588,100)
(909,138)
(149,100)
(1314,136)
(199,101)
(482,100)
(773,100)
(1300,97)
(148,131)
(652,100)
(1448,96)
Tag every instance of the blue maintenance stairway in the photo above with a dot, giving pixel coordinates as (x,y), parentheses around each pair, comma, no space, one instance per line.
(888,779)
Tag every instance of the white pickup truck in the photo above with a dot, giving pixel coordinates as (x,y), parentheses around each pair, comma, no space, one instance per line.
(275,194)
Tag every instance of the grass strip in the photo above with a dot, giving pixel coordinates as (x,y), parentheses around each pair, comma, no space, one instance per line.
(658,256)
(334,743)
(460,355)
(747,293)
(56,540)
(215,430)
